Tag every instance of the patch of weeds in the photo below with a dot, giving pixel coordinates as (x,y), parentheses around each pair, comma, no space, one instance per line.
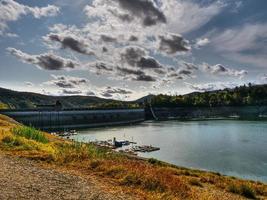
(115,171)
(195,182)
(30,133)
(94,164)
(152,184)
(243,190)
(154,161)
(247,191)
(132,180)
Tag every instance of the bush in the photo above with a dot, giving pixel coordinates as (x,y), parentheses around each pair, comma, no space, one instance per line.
(154,161)
(12,141)
(30,133)
(132,180)
(95,164)
(247,191)
(195,182)
(115,171)
(233,188)
(243,190)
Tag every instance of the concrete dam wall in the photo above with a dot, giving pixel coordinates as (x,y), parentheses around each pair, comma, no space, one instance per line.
(67,119)
(241,112)
(54,119)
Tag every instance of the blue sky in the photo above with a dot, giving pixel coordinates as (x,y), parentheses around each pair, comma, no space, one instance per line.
(126,49)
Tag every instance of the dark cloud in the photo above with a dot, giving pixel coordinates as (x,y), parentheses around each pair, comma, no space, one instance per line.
(124,17)
(100,67)
(144,77)
(89,93)
(136,57)
(149,63)
(104,49)
(136,75)
(67,81)
(110,92)
(190,66)
(53,62)
(222,70)
(173,44)
(71,92)
(146,10)
(70,43)
(107,95)
(29,84)
(185,72)
(175,75)
(133,38)
(47,61)
(107,38)
(63,84)
(132,55)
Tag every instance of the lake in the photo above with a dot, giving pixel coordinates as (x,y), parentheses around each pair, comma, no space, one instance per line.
(235,148)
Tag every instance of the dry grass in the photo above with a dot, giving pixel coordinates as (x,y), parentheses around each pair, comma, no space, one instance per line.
(152,179)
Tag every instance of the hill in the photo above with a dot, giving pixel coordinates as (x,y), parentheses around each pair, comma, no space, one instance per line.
(27,100)
(245,95)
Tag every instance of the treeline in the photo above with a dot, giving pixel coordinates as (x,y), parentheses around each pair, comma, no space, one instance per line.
(116,105)
(239,96)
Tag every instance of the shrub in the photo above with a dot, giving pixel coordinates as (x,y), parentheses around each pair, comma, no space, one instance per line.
(30,133)
(243,190)
(154,161)
(95,164)
(233,188)
(195,182)
(132,180)
(247,191)
(115,171)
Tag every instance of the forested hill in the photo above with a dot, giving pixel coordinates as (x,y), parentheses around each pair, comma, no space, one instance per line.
(26,100)
(239,96)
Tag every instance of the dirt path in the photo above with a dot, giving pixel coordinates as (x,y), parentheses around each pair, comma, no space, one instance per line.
(22,179)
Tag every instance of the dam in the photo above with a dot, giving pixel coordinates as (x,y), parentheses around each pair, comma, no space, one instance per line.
(54,117)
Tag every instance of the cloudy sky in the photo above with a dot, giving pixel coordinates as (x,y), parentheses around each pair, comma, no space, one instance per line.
(125,49)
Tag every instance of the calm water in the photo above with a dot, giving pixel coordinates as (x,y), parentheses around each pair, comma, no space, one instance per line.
(236,148)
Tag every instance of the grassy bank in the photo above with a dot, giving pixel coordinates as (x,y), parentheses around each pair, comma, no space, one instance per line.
(148,179)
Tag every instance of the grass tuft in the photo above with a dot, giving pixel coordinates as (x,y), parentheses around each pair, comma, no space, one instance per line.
(30,133)
(154,161)
(247,191)
(243,190)
(195,182)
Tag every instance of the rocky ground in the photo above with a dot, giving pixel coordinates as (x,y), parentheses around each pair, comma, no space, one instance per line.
(24,179)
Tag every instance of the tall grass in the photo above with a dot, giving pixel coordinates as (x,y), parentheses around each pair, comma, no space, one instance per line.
(243,190)
(30,133)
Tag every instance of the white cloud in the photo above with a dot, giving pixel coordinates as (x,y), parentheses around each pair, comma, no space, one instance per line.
(186,16)
(245,44)
(202,42)
(11,10)
(222,70)
(211,86)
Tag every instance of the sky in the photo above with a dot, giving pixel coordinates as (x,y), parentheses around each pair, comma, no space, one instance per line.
(125,49)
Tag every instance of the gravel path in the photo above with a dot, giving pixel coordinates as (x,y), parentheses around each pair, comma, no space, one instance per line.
(22,179)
